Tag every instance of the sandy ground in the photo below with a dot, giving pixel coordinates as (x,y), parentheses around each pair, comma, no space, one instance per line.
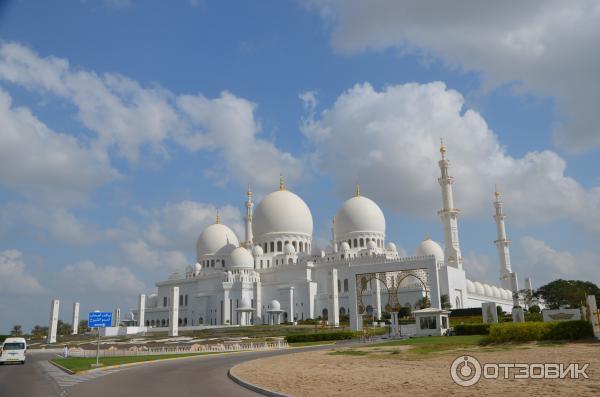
(323,374)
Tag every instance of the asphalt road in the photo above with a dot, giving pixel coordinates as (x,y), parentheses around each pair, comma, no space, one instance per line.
(27,380)
(198,376)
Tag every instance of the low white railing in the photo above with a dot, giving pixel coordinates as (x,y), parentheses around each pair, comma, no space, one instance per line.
(195,348)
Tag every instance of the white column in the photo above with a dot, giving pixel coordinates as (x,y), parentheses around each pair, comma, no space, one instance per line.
(528,284)
(142,310)
(53,321)
(174,312)
(75,318)
(592,314)
(514,287)
(502,243)
(334,304)
(271,321)
(258,303)
(449,215)
(291,311)
(378,299)
(395,328)
(117,317)
(226,308)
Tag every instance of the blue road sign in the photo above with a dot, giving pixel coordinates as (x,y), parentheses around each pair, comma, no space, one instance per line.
(99,319)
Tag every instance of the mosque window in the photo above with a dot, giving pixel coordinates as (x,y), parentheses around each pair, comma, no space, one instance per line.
(179,321)
(223,263)
(261,264)
(272,246)
(265,247)
(180,300)
(339,285)
(355,243)
(212,263)
(185,321)
(350,243)
(290,261)
(295,246)
(279,247)
(165,301)
(345,285)
(186,300)
(362,242)
(301,246)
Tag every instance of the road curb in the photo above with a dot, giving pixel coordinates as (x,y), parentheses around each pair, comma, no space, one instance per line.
(254,388)
(67,370)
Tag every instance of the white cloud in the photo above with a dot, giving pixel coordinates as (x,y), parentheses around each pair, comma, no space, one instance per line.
(129,117)
(548,48)
(480,267)
(39,161)
(388,141)
(88,277)
(140,254)
(14,278)
(545,263)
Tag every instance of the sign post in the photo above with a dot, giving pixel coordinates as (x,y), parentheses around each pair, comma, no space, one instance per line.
(98,319)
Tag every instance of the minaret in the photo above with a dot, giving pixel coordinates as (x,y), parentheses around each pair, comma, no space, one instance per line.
(449,215)
(334,245)
(502,243)
(248,219)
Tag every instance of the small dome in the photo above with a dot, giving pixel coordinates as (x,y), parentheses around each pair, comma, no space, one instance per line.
(240,258)
(197,267)
(216,238)
(391,247)
(496,292)
(371,245)
(245,304)
(282,212)
(430,247)
(487,290)
(257,250)
(275,305)
(479,290)
(289,249)
(344,247)
(470,287)
(359,214)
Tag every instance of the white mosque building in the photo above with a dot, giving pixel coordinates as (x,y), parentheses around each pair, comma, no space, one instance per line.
(275,274)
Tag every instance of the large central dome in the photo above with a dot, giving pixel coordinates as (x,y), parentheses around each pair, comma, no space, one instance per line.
(359,214)
(282,212)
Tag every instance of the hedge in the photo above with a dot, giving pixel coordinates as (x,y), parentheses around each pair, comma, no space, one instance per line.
(470,311)
(319,336)
(560,330)
(472,329)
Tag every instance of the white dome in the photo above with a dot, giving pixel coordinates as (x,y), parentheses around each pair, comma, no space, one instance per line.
(470,287)
(275,305)
(197,267)
(216,238)
(392,247)
(359,214)
(282,212)
(240,258)
(257,250)
(245,304)
(344,246)
(289,249)
(479,290)
(430,247)
(487,290)
(496,292)
(371,245)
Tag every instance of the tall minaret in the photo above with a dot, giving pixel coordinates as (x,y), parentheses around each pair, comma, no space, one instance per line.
(334,245)
(449,215)
(502,243)
(248,219)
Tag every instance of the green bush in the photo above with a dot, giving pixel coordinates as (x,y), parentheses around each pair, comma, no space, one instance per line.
(472,329)
(521,332)
(320,336)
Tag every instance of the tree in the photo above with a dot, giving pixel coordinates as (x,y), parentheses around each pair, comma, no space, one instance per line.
(527,296)
(38,330)
(404,311)
(16,330)
(534,309)
(567,293)
(424,303)
(445,302)
(83,327)
(63,328)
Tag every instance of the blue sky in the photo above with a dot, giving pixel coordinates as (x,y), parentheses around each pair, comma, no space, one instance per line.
(126,124)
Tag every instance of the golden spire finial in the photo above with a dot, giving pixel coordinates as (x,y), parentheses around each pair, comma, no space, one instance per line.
(249,192)
(426,237)
(357,190)
(281,182)
(497,192)
(218,219)
(442,148)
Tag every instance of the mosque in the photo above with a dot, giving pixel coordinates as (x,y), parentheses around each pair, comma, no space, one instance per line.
(276,275)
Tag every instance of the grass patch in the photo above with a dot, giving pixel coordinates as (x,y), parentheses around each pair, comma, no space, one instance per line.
(313,343)
(349,353)
(78,364)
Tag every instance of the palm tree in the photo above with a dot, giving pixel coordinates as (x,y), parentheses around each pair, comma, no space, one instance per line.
(17,330)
